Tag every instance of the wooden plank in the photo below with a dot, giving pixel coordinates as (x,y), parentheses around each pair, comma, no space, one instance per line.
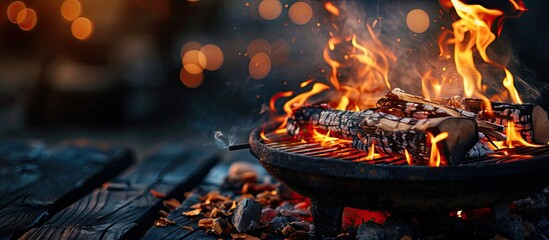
(212,182)
(125,208)
(36,183)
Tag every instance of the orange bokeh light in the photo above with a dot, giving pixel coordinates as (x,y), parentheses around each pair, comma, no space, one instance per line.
(191,80)
(300,13)
(270,9)
(71,9)
(260,66)
(13,10)
(26,19)
(194,61)
(82,28)
(214,56)
(258,45)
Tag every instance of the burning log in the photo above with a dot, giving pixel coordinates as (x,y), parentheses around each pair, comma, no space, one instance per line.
(403,104)
(389,133)
(530,120)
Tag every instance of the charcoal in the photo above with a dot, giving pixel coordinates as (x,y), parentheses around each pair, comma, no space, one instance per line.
(301,225)
(542,225)
(511,227)
(268,214)
(536,204)
(299,235)
(247,215)
(278,223)
(372,231)
(399,225)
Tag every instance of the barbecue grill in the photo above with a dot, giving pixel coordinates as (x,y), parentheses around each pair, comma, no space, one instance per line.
(336,176)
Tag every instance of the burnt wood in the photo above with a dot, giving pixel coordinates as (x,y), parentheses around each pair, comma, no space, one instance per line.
(126,207)
(530,120)
(36,183)
(390,134)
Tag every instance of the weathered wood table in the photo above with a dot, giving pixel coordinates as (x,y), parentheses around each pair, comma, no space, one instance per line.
(89,192)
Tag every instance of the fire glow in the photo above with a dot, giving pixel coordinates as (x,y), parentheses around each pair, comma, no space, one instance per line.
(370,61)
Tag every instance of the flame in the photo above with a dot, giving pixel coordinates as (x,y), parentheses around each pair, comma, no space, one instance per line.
(372,153)
(262,135)
(473,33)
(343,103)
(513,138)
(408,157)
(277,96)
(431,87)
(435,157)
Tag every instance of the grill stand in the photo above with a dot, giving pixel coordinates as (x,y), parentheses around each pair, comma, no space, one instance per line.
(327,218)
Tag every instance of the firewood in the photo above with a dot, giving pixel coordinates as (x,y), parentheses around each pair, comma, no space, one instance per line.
(402,104)
(389,133)
(530,119)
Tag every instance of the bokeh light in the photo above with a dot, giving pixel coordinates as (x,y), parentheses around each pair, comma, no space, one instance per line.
(258,45)
(260,66)
(214,56)
(194,61)
(417,20)
(300,13)
(13,10)
(26,19)
(71,9)
(82,28)
(280,52)
(190,45)
(191,80)
(270,9)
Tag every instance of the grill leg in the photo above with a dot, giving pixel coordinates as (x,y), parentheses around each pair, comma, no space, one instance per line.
(326,218)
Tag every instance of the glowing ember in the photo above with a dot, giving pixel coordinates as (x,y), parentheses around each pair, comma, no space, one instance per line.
(330,7)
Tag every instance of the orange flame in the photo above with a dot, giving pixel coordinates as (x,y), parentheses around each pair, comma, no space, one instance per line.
(435,157)
(514,138)
(473,32)
(262,135)
(408,157)
(372,153)
(431,88)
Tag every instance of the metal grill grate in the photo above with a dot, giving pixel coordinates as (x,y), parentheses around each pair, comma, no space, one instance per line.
(344,151)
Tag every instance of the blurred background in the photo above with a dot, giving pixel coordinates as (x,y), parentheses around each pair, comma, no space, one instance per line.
(141,71)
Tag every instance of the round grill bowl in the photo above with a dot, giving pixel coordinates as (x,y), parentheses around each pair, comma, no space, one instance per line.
(403,188)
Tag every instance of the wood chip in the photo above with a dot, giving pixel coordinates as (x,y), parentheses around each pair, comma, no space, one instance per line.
(188,228)
(191,213)
(171,203)
(157,194)
(162,222)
